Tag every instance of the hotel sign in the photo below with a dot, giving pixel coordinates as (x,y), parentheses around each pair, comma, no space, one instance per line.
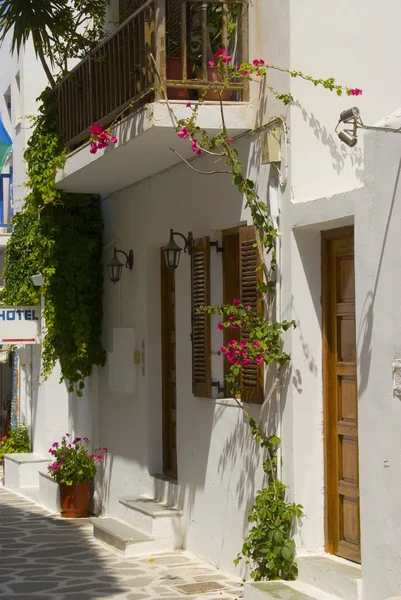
(20,325)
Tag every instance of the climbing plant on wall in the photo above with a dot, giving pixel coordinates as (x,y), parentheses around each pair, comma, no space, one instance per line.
(60,236)
(268,547)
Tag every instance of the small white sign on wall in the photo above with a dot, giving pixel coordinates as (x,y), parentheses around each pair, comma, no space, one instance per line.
(20,324)
(121,361)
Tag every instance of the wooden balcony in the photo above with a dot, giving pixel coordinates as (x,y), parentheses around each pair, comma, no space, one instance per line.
(119,75)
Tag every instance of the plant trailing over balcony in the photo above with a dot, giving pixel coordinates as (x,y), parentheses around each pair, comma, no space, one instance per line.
(60,236)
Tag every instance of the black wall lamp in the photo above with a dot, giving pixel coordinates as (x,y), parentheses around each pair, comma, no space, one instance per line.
(115,266)
(172,251)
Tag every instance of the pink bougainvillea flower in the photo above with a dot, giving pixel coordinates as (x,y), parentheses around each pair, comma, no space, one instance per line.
(86,440)
(100,457)
(259,359)
(210,63)
(188,105)
(102,144)
(236,301)
(55,445)
(356,92)
(246,361)
(256,344)
(227,59)
(105,135)
(220,326)
(104,450)
(114,140)
(92,457)
(249,307)
(223,349)
(67,434)
(198,152)
(183,134)
(96,130)
(230,140)
(242,343)
(232,343)
(245,72)
(232,328)
(232,318)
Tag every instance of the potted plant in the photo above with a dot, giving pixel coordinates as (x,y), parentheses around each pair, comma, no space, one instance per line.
(16,442)
(214,48)
(74,469)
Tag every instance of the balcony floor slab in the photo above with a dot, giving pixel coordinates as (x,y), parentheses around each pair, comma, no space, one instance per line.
(146,140)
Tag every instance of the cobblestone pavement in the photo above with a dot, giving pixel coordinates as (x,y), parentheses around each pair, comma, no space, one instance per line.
(47,557)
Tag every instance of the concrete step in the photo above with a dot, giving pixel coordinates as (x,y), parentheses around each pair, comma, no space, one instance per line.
(335,576)
(31,492)
(165,489)
(284,590)
(162,521)
(150,515)
(130,541)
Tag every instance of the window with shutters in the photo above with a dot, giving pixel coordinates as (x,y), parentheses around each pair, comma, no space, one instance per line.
(200,296)
(240,280)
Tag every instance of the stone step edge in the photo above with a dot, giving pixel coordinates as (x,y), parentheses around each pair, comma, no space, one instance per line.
(136,537)
(260,590)
(165,510)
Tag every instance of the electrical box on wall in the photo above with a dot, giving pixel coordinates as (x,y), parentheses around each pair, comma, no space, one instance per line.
(270,145)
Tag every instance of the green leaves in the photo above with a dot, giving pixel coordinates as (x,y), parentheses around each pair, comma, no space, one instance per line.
(58,235)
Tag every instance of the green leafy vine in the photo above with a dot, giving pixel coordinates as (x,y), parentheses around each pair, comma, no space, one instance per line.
(269,547)
(60,236)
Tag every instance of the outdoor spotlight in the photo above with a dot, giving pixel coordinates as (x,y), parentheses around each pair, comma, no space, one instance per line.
(352,117)
(348,138)
(350,113)
(115,266)
(172,251)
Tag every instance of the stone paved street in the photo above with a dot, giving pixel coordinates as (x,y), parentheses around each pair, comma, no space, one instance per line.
(46,557)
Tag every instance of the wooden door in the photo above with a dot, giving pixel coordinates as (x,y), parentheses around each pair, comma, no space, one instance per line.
(340,396)
(168,370)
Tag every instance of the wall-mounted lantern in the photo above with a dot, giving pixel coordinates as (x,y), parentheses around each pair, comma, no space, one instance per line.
(172,251)
(115,266)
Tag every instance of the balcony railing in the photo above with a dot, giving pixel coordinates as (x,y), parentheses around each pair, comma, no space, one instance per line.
(119,73)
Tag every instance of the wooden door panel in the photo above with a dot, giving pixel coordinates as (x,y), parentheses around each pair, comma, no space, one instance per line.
(340,397)
(168,369)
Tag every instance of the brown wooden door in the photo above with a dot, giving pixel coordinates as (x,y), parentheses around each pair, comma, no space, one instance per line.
(168,370)
(340,396)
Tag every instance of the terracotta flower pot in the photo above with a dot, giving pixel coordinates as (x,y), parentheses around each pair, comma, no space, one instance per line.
(213,76)
(74,500)
(174,71)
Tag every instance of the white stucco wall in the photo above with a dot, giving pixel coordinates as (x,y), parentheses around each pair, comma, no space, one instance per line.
(219,466)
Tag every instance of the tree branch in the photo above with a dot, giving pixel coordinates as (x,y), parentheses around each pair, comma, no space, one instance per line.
(197,170)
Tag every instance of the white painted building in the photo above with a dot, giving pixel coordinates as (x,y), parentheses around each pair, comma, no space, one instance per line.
(339,413)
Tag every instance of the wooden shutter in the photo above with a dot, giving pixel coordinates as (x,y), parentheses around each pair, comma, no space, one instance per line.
(201,349)
(252,376)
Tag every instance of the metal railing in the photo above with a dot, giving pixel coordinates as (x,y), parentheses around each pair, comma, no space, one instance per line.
(119,72)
